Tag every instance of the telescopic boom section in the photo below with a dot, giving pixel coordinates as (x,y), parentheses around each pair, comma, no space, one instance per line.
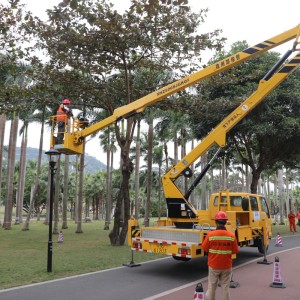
(74,139)
(141,104)
(178,205)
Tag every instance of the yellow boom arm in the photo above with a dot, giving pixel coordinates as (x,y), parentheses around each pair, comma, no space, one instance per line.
(74,137)
(178,206)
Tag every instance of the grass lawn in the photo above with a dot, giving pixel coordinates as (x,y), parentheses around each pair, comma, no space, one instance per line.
(24,253)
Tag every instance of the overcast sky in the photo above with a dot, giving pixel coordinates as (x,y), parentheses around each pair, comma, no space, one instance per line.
(253,21)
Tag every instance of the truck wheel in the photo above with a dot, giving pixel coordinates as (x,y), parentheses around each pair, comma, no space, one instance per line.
(261,247)
(181,258)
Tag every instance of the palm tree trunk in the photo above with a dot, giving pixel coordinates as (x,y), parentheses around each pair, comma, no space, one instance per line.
(149,169)
(80,192)
(30,209)
(65,194)
(280,196)
(10,173)
(203,183)
(287,196)
(107,210)
(21,180)
(46,222)
(137,169)
(2,133)
(56,197)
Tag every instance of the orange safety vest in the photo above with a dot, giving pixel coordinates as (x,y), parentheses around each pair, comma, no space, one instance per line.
(291,217)
(61,115)
(220,244)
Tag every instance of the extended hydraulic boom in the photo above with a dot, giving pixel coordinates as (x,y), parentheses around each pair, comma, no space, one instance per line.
(77,132)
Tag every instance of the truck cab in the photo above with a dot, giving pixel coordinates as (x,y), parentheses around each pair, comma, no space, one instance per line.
(246,214)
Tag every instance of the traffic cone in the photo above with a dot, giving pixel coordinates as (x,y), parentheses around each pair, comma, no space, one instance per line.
(277,279)
(278,240)
(60,237)
(199,294)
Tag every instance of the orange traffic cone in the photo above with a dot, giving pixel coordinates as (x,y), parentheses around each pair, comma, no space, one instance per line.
(199,294)
(277,279)
(278,240)
(60,237)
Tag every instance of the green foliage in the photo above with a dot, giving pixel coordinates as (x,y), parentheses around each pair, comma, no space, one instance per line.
(269,136)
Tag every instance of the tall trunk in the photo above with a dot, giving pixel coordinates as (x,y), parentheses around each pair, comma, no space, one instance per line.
(80,192)
(149,169)
(39,160)
(203,183)
(111,184)
(2,133)
(255,181)
(30,209)
(223,177)
(21,179)
(276,204)
(280,196)
(10,173)
(183,153)
(65,194)
(192,197)
(118,234)
(107,210)
(37,177)
(76,191)
(287,197)
(46,222)
(137,169)
(56,197)
(248,181)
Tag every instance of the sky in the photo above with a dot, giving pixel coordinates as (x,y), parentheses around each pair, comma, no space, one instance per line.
(253,21)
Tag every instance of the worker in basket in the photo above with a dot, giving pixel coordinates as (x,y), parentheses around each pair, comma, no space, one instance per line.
(63,115)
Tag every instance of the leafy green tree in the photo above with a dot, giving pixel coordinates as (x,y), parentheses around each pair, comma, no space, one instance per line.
(94,39)
(269,135)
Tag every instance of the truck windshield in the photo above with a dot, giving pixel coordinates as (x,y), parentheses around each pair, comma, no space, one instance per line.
(264,205)
(234,200)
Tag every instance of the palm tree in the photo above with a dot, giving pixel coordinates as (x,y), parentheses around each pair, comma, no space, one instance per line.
(10,172)
(2,131)
(36,188)
(21,179)
(158,159)
(65,194)
(137,169)
(107,143)
(149,166)
(80,193)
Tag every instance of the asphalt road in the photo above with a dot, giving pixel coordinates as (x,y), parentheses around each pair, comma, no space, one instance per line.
(132,283)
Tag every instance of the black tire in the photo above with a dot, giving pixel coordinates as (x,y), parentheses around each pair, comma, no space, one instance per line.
(181,258)
(261,247)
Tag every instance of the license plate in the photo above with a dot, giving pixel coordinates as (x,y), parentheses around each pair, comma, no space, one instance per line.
(160,249)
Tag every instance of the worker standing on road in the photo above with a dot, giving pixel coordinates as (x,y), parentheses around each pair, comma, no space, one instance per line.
(220,244)
(292,221)
(63,114)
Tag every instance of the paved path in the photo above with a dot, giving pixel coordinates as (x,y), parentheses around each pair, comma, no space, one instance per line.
(254,280)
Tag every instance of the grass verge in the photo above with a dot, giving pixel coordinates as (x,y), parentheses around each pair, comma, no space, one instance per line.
(24,253)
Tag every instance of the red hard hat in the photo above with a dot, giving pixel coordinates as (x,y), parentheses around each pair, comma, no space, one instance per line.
(221,215)
(66,101)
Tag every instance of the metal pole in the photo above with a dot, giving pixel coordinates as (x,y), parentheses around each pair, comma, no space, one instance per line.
(49,260)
